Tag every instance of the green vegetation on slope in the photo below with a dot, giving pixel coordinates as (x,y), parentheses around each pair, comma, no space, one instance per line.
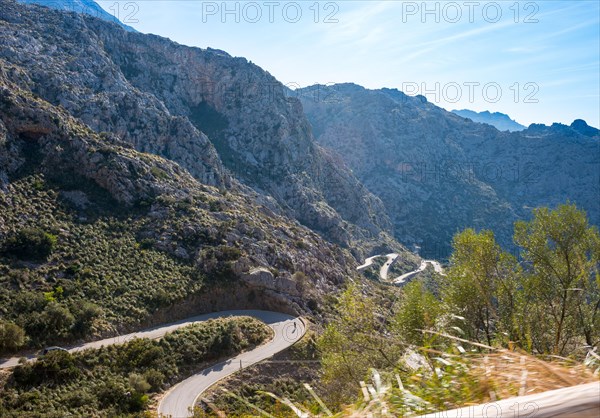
(101,260)
(97,238)
(117,380)
(548,303)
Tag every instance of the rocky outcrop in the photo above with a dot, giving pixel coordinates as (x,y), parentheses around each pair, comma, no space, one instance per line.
(263,278)
(68,68)
(583,128)
(39,134)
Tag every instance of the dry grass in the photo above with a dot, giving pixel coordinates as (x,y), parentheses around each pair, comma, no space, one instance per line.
(499,374)
(507,374)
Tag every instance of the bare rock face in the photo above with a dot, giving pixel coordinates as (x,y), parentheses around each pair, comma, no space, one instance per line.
(64,63)
(59,146)
(209,112)
(438,173)
(262,278)
(77,198)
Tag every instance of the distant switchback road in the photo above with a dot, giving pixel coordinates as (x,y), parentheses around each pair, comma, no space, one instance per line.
(391,258)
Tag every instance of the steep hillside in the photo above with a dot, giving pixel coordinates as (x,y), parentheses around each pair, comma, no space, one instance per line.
(438,173)
(97,237)
(203,109)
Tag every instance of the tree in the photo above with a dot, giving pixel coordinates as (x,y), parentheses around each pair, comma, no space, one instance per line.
(561,285)
(481,285)
(31,244)
(12,337)
(138,383)
(54,323)
(55,367)
(58,320)
(354,342)
(85,314)
(418,310)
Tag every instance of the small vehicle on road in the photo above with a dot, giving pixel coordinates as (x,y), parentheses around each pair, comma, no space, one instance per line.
(53,348)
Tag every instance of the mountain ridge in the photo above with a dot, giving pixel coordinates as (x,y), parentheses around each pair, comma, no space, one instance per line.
(500,121)
(438,173)
(135,234)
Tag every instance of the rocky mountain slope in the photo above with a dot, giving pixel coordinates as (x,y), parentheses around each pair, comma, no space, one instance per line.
(500,121)
(96,236)
(437,172)
(211,113)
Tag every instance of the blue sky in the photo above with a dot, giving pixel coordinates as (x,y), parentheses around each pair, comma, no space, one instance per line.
(538,61)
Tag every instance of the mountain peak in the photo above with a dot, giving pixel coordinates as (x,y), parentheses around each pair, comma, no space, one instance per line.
(583,128)
(88,7)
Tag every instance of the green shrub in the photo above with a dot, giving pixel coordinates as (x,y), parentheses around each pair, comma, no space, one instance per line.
(12,337)
(56,367)
(138,383)
(53,324)
(30,244)
(85,314)
(155,379)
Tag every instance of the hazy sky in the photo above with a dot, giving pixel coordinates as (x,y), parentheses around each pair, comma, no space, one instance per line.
(538,61)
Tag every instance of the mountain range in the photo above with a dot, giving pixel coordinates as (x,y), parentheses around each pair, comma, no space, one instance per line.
(500,121)
(144,182)
(154,180)
(364,169)
(438,173)
(169,99)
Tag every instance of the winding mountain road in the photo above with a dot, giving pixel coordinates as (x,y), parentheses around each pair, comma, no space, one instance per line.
(177,403)
(581,401)
(436,266)
(180,400)
(155,332)
(383,272)
(368,262)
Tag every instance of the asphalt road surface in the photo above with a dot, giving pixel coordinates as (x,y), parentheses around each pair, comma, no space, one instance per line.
(436,266)
(180,400)
(383,272)
(151,333)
